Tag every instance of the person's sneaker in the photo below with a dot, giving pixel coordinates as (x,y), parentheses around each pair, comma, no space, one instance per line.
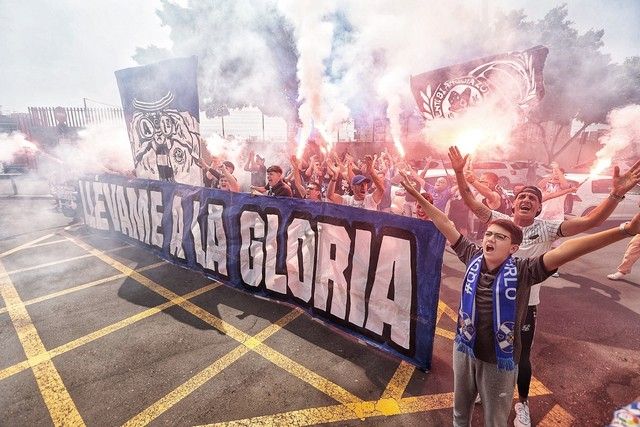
(478,400)
(556,274)
(522,418)
(615,276)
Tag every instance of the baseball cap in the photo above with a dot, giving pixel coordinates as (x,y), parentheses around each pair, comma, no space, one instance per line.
(359,179)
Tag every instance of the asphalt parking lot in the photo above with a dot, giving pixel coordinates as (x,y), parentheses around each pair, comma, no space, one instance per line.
(98,332)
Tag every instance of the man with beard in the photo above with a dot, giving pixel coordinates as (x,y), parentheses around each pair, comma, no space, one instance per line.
(493,306)
(539,234)
(360,185)
(275,185)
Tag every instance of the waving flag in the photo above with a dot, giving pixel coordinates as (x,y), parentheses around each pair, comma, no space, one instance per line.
(514,78)
(160,103)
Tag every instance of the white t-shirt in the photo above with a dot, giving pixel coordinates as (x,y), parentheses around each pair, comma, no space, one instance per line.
(553,208)
(366,203)
(536,240)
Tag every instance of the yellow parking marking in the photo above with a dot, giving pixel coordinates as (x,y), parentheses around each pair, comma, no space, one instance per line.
(61,261)
(398,383)
(329,388)
(39,358)
(195,382)
(336,413)
(25,245)
(444,308)
(85,286)
(445,333)
(53,242)
(536,388)
(557,417)
(61,407)
(350,408)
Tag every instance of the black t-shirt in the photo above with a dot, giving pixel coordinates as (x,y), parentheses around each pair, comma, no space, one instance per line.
(530,272)
(259,176)
(280,189)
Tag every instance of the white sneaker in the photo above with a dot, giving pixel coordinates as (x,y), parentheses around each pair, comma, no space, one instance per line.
(615,276)
(522,418)
(478,400)
(556,274)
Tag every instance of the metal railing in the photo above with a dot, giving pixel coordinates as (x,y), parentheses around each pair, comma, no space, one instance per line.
(76,117)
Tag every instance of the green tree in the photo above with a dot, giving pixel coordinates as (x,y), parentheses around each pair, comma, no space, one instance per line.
(246,54)
(581,82)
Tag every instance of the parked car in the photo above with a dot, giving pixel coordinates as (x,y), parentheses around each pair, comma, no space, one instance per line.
(510,173)
(594,190)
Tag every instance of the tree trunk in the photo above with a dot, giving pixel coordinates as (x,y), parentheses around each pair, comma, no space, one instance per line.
(570,140)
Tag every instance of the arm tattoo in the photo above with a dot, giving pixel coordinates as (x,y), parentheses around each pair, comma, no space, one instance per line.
(482,212)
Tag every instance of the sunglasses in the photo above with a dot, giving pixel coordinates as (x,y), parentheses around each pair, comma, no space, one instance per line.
(499,236)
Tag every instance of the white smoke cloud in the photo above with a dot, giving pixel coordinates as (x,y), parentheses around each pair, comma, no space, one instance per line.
(99,148)
(321,105)
(484,130)
(624,131)
(390,43)
(13,145)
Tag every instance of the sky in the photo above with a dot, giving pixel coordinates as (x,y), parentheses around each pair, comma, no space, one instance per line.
(66,51)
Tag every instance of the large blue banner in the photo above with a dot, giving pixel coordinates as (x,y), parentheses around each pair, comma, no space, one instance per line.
(160,103)
(376,275)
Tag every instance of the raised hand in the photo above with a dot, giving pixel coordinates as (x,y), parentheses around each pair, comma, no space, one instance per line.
(623,183)
(457,161)
(333,169)
(469,176)
(634,225)
(368,161)
(294,161)
(408,185)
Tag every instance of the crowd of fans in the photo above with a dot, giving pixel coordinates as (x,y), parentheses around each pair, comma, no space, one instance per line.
(372,182)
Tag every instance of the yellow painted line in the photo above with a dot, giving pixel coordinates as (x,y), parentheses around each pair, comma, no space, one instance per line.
(448,310)
(195,382)
(324,385)
(61,261)
(557,417)
(445,333)
(53,242)
(337,413)
(36,359)
(351,406)
(25,245)
(61,407)
(302,417)
(317,381)
(85,286)
(536,388)
(398,383)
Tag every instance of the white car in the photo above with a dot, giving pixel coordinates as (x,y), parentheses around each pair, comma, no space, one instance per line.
(596,189)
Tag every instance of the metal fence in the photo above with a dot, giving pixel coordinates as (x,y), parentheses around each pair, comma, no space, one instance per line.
(75,117)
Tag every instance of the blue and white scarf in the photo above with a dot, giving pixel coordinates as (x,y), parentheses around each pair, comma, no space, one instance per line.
(504,313)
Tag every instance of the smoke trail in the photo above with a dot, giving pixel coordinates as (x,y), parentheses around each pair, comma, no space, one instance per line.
(624,131)
(314,31)
(99,148)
